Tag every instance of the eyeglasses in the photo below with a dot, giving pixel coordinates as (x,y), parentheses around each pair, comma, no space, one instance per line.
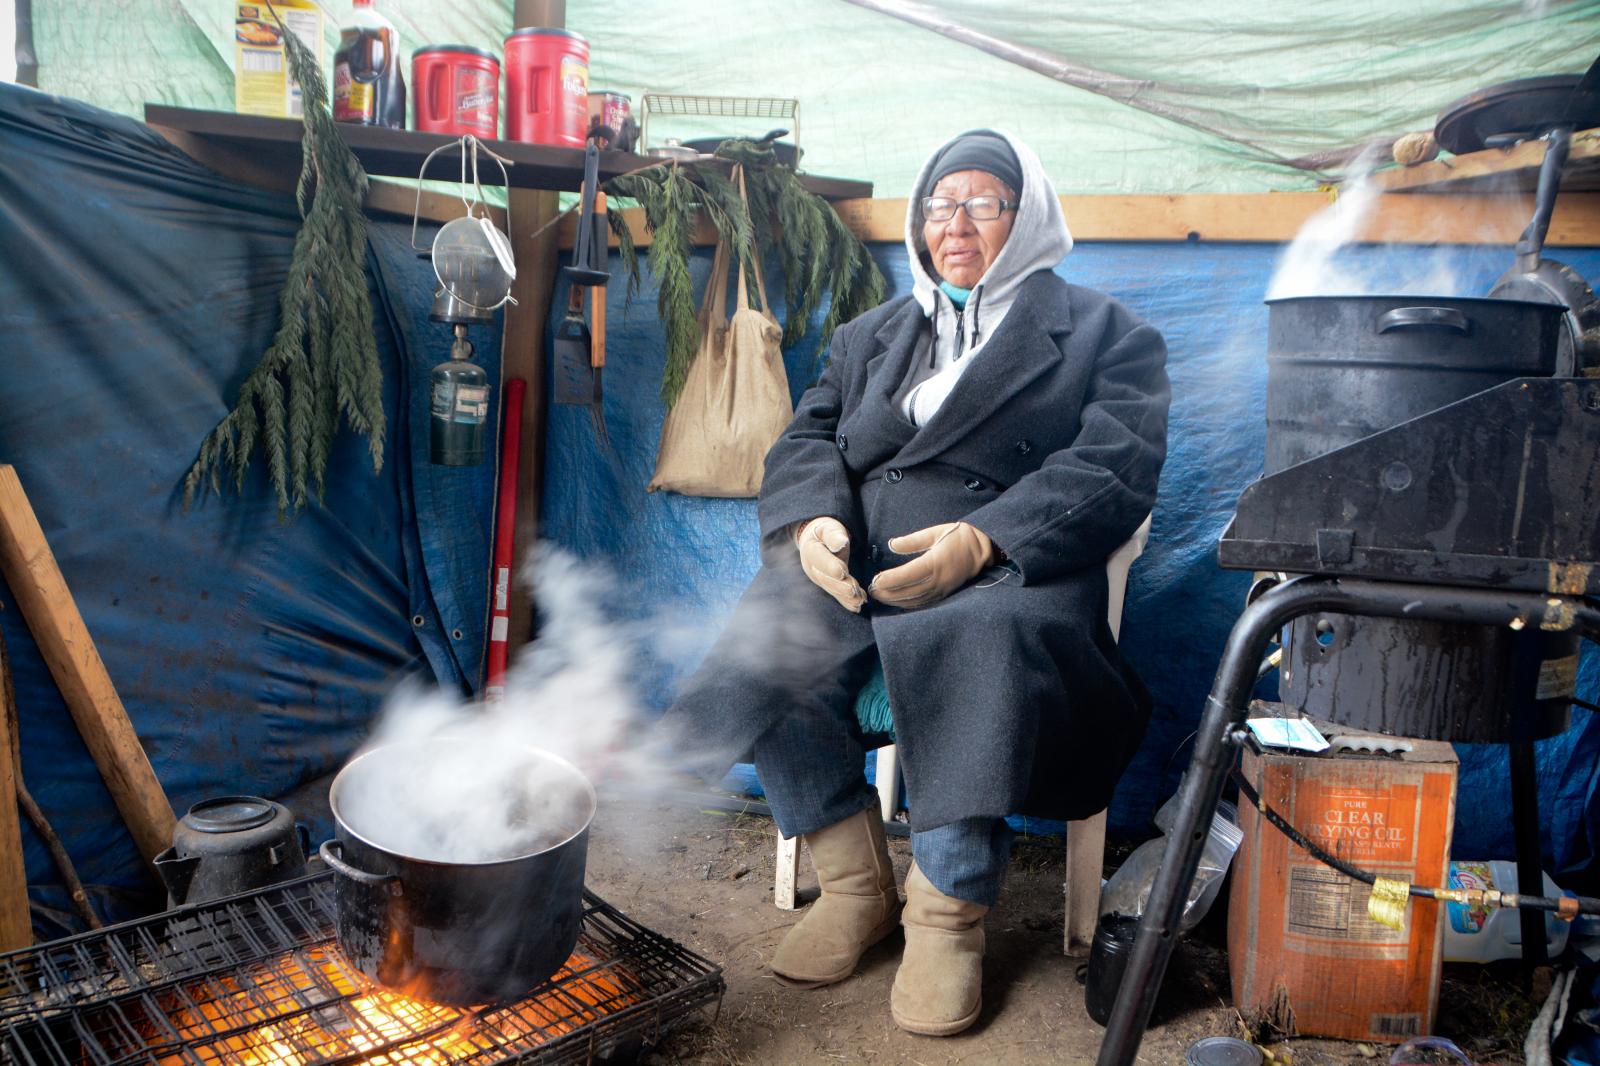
(978,208)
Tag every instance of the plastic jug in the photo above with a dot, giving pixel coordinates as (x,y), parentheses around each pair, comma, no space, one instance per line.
(1484,934)
(368,88)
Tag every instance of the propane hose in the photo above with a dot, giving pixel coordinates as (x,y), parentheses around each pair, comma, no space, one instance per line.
(1564,907)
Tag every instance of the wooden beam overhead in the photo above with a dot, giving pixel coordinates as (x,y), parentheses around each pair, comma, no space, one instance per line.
(400,200)
(1493,170)
(1271,218)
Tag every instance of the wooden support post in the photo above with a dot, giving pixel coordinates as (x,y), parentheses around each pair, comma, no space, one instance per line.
(16,926)
(522,349)
(41,593)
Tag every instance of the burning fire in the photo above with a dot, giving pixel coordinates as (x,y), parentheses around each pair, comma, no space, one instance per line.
(310,1007)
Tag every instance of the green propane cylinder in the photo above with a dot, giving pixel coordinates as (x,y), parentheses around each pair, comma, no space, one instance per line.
(460,408)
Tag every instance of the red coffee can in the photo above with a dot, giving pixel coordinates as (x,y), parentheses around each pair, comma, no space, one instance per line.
(457,90)
(547,87)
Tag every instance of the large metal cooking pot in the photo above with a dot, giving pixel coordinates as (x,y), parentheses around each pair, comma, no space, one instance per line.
(1340,368)
(460,866)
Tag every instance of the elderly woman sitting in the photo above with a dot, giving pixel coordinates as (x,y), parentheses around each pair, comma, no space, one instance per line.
(944,502)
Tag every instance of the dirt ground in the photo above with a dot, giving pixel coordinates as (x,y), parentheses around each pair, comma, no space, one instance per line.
(704,878)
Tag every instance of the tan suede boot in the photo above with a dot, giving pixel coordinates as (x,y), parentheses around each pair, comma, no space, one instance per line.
(938,989)
(858,906)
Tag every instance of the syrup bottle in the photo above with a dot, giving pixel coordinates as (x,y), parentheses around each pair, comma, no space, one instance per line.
(368,88)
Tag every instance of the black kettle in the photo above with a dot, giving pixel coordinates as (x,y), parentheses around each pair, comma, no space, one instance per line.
(232,844)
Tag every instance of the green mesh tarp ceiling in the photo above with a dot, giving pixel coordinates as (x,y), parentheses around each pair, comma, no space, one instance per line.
(1159,95)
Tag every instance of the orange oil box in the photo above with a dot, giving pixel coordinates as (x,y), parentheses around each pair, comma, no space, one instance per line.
(1299,937)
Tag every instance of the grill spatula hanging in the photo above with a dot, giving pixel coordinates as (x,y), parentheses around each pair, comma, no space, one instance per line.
(574,377)
(577,362)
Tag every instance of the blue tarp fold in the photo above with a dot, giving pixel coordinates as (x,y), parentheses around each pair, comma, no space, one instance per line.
(137,290)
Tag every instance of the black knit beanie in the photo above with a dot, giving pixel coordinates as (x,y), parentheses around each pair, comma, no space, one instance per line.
(983,150)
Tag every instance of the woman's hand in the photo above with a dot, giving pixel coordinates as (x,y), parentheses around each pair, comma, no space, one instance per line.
(824,546)
(953,553)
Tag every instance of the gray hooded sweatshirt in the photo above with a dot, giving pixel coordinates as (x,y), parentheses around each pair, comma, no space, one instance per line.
(1039,240)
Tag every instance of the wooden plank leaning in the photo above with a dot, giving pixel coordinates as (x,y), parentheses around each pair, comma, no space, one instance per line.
(47,606)
(16,923)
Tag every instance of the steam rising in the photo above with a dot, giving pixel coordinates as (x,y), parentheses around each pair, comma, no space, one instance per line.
(505,801)
(1327,257)
(464,781)
(1309,266)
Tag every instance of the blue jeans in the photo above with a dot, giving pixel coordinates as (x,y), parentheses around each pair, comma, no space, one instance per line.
(810,764)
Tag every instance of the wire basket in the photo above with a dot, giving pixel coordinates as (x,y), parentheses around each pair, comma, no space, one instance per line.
(785,110)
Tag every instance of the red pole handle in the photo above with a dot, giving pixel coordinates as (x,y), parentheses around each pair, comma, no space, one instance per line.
(505,525)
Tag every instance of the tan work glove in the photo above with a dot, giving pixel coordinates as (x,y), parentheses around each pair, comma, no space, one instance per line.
(824,546)
(953,553)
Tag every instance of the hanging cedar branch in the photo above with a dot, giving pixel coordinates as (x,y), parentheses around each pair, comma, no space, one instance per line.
(817,252)
(323,360)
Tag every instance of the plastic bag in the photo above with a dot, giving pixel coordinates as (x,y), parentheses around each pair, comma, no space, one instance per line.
(1128,891)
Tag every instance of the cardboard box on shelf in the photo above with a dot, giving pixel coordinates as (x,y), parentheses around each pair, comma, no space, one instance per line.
(1302,949)
(261,82)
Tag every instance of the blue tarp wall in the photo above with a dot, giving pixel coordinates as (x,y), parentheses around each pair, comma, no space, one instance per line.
(689,557)
(137,290)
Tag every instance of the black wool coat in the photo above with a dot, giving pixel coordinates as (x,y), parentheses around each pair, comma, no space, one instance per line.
(1009,695)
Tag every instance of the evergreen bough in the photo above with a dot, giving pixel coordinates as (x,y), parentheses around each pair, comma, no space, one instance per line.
(818,253)
(323,360)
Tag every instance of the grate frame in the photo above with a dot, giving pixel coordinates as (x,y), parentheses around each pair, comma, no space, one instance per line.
(197,987)
(691,105)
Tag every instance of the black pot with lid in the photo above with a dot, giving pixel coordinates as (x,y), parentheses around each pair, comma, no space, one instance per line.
(232,844)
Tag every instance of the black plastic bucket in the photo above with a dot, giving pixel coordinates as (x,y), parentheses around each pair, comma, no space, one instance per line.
(1108,959)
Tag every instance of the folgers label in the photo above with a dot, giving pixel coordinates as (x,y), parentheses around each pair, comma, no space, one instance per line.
(547,87)
(457,89)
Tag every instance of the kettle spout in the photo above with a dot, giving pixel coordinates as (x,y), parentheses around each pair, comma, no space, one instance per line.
(176,872)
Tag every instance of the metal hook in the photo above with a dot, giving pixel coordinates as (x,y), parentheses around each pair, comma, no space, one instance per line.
(463,144)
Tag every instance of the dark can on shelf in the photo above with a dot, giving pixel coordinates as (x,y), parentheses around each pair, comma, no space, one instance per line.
(613,112)
(457,89)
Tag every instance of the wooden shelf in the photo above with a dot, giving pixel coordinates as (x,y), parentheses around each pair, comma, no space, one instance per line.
(266,151)
(1499,170)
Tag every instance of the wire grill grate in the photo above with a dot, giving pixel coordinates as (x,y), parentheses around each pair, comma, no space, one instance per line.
(258,979)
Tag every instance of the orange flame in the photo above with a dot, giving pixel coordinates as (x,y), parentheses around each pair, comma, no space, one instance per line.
(309,1007)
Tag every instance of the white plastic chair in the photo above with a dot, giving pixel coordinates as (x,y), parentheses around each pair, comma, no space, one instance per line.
(1086,839)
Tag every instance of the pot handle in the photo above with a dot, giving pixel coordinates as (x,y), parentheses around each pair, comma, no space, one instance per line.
(332,852)
(1425,318)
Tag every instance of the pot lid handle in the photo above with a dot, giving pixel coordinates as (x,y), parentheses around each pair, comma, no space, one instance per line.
(1445,318)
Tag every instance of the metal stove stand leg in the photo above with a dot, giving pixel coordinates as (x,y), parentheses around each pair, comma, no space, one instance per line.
(1224,714)
(1530,867)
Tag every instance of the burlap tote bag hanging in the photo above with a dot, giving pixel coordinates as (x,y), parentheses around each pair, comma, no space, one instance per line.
(735,400)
